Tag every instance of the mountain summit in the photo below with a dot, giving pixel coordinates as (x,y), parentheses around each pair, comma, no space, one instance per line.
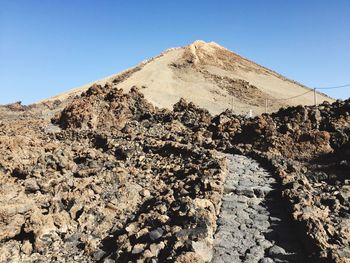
(105,176)
(212,77)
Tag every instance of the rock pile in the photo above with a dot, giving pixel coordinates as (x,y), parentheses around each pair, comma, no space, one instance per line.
(119,181)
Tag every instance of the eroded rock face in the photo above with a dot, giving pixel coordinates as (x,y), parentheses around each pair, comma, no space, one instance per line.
(110,177)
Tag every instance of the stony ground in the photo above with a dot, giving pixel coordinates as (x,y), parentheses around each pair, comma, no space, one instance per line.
(107,177)
(254,225)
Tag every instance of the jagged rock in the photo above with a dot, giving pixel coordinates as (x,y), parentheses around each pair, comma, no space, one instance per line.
(120,179)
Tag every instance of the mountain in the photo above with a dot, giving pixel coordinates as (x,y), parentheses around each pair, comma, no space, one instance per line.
(108,177)
(212,77)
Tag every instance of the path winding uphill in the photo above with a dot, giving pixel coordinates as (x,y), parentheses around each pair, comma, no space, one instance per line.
(253,225)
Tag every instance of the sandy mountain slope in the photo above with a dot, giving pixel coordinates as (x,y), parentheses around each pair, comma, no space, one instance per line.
(212,77)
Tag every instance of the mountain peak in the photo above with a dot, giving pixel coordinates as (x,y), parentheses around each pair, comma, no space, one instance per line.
(212,77)
(199,42)
(202,43)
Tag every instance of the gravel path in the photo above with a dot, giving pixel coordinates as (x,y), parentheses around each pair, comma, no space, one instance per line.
(253,225)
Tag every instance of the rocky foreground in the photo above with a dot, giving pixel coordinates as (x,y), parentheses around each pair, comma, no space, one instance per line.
(108,177)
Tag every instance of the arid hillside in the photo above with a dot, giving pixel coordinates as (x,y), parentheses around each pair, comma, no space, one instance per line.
(212,77)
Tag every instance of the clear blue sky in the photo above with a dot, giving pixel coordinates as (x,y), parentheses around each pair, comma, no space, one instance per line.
(47,47)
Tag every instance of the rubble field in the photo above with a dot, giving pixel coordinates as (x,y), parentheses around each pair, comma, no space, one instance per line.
(108,177)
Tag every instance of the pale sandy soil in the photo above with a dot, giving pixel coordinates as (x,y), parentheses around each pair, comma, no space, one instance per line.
(203,73)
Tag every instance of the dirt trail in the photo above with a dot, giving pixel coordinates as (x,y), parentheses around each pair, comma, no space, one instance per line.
(253,224)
